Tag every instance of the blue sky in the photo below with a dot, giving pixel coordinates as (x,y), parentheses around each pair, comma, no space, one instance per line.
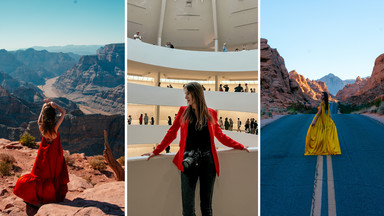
(316,38)
(26,23)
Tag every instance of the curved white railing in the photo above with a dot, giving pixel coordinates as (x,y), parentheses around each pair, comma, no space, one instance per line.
(192,60)
(152,95)
(154,185)
(138,134)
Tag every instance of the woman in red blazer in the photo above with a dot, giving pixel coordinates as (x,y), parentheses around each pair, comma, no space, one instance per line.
(197,156)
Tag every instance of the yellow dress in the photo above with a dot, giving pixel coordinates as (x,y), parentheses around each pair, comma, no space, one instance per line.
(322,138)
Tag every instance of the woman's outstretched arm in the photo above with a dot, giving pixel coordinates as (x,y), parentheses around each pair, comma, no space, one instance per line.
(169,137)
(224,139)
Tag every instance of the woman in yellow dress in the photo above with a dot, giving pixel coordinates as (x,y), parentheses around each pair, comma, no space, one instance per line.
(322,136)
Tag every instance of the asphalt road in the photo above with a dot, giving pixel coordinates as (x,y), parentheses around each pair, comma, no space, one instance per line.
(287,176)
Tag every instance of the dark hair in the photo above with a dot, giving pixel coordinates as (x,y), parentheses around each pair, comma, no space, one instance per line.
(48,121)
(326,100)
(202,113)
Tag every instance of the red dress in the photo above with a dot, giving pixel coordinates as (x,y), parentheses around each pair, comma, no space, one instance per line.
(47,183)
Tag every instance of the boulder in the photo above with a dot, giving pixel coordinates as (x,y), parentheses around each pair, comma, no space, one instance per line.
(78,184)
(103,199)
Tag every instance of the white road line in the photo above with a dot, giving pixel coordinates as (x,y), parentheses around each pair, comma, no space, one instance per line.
(331,188)
(317,188)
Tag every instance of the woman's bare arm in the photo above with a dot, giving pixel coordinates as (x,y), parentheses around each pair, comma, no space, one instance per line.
(62,114)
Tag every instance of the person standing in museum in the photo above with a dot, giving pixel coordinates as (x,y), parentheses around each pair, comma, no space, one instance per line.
(226,124)
(225,47)
(145,119)
(141,119)
(238,125)
(129,120)
(197,157)
(221,122)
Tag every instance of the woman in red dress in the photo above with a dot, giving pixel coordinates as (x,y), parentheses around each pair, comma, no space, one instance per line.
(197,157)
(47,183)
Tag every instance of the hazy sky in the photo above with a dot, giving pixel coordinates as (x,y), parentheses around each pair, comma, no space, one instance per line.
(26,23)
(315,38)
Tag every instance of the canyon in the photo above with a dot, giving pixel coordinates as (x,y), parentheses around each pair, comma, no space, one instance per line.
(92,93)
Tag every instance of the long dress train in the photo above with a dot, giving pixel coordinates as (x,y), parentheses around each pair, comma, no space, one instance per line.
(322,138)
(47,183)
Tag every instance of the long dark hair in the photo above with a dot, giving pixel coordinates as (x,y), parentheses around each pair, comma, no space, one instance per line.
(326,100)
(48,122)
(202,113)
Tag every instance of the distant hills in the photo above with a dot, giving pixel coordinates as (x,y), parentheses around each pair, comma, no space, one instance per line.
(76,49)
(334,83)
(34,66)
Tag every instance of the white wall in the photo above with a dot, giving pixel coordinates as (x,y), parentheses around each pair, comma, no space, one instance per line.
(154,134)
(153,95)
(192,60)
(154,185)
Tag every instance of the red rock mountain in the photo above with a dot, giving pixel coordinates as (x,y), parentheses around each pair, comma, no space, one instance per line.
(279,89)
(97,81)
(365,90)
(313,88)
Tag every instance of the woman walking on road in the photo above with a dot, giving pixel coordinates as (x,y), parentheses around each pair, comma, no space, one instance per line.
(322,136)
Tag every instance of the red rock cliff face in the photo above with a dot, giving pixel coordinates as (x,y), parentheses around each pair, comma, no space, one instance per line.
(365,90)
(312,88)
(278,89)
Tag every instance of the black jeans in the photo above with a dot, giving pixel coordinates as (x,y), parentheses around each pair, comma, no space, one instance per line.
(206,172)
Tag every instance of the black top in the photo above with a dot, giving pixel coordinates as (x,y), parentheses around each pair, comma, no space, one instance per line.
(197,139)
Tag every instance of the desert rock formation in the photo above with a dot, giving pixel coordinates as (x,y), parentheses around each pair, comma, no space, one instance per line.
(278,88)
(34,66)
(365,90)
(312,88)
(96,80)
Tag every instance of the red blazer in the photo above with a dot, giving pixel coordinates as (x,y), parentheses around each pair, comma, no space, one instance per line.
(214,131)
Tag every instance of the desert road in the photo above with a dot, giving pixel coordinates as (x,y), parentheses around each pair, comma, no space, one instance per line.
(348,184)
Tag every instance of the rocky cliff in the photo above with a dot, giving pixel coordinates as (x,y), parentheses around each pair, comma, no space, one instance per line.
(278,90)
(110,100)
(22,90)
(15,68)
(365,90)
(97,80)
(13,110)
(84,133)
(95,73)
(46,64)
(312,88)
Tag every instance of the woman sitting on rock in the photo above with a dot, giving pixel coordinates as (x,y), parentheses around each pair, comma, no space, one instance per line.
(47,183)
